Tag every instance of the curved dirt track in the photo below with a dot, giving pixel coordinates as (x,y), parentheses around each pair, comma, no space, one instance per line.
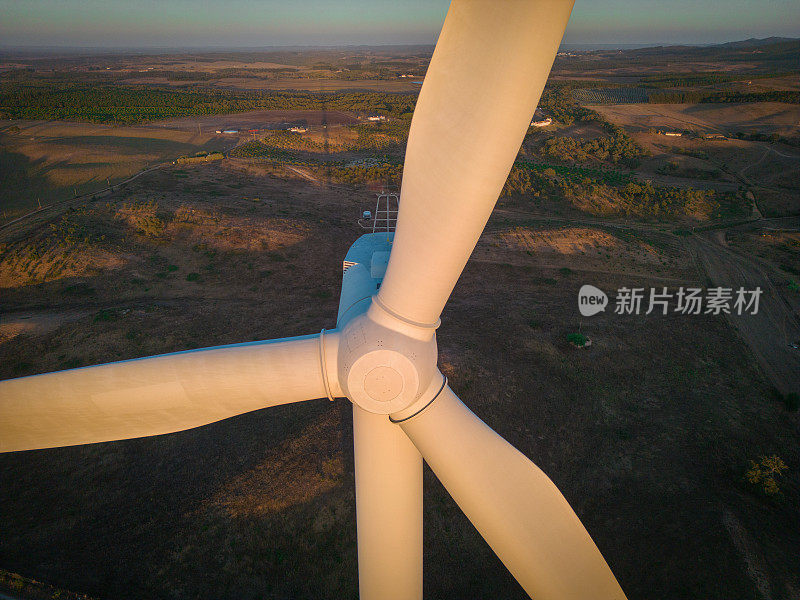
(767,333)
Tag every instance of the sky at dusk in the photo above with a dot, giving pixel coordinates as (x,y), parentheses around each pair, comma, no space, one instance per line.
(239,23)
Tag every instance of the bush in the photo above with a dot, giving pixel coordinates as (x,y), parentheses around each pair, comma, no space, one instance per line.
(144,218)
(193,277)
(106,314)
(578,339)
(765,473)
(792,401)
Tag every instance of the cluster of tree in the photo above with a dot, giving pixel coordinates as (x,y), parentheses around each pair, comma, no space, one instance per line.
(369,68)
(700,96)
(530,179)
(31,76)
(389,174)
(218,74)
(524,181)
(645,200)
(258,149)
(118,104)
(200,157)
(361,74)
(289,140)
(557,102)
(709,78)
(601,193)
(608,176)
(768,137)
(611,95)
(389,136)
(618,148)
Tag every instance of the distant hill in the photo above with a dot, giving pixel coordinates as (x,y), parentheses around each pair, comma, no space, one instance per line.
(768,55)
(762,43)
(757,42)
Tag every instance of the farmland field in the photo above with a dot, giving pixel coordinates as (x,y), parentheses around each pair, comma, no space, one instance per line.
(761,117)
(46,162)
(622,95)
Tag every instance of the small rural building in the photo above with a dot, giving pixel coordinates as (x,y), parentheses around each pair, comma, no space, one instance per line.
(298,129)
(230,131)
(542,123)
(673,133)
(376,118)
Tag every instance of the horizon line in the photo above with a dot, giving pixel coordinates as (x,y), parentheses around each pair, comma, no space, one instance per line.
(230,47)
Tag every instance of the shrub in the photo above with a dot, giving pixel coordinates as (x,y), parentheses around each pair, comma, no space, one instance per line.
(106,314)
(578,339)
(193,277)
(792,401)
(144,218)
(765,473)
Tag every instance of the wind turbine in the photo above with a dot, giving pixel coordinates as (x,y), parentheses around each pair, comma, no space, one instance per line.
(487,73)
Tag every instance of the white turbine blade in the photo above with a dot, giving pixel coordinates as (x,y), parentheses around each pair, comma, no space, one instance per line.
(388,509)
(485,78)
(160,394)
(512,503)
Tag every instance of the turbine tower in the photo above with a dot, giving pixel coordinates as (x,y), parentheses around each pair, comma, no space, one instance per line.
(487,73)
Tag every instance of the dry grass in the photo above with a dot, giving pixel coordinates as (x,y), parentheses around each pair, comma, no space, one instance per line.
(659,412)
(587,249)
(755,117)
(50,162)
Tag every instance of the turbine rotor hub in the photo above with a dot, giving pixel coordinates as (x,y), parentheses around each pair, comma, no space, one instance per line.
(384,364)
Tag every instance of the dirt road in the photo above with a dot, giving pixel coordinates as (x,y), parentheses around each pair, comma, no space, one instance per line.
(769,332)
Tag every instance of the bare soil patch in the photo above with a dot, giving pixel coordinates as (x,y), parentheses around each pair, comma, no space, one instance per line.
(753,117)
